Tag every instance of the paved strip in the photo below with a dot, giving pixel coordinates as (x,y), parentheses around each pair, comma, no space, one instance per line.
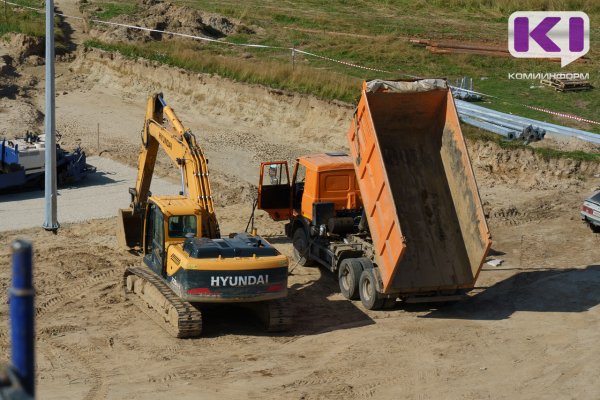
(100,195)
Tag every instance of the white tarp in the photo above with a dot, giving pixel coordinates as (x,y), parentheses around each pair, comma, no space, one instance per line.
(422,85)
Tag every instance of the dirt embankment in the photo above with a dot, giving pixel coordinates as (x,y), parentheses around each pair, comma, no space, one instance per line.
(245,123)
(17,87)
(250,124)
(166,16)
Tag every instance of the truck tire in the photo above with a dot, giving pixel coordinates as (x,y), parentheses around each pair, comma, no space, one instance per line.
(369,296)
(348,277)
(594,228)
(301,247)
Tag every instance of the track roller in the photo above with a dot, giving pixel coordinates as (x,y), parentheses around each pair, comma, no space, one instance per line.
(156,299)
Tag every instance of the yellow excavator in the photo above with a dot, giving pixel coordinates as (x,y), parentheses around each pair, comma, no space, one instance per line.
(185,261)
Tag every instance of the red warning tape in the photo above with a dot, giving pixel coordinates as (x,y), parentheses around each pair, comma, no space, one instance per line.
(564,115)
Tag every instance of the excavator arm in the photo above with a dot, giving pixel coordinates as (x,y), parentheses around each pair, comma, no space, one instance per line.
(162,128)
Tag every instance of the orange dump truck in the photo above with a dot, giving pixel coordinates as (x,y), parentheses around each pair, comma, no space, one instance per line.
(398,218)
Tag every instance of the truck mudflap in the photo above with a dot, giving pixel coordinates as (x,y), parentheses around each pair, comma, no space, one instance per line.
(235,286)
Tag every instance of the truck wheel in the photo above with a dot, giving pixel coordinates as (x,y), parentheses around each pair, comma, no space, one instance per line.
(301,249)
(349,276)
(369,296)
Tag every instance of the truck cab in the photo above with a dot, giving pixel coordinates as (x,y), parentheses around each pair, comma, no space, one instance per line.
(322,203)
(321,185)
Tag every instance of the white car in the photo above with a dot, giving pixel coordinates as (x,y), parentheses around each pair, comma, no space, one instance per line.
(590,212)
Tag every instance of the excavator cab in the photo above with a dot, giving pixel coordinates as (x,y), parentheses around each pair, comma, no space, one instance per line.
(169,220)
(154,239)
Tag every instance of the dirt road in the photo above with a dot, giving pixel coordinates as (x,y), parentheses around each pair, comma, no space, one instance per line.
(79,203)
(529,331)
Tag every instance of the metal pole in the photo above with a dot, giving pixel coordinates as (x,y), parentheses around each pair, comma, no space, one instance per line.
(293,58)
(21,315)
(51,222)
(98,138)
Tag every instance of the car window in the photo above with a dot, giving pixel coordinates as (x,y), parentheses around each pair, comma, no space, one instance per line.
(595,198)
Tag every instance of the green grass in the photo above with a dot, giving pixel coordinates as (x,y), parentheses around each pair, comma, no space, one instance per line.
(510,6)
(111,10)
(14,19)
(28,22)
(326,28)
(372,33)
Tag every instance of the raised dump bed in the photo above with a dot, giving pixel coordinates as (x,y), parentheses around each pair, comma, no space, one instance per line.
(418,188)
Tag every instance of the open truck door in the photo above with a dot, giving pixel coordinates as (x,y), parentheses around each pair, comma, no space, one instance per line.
(274,190)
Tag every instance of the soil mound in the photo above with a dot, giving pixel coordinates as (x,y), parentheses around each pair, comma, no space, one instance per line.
(166,16)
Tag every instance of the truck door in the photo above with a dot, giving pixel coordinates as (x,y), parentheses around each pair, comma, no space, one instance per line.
(154,239)
(274,190)
(298,186)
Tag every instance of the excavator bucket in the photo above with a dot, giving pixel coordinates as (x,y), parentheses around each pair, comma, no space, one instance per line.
(129,233)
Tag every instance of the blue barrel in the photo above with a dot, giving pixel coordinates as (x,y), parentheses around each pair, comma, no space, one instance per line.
(22,314)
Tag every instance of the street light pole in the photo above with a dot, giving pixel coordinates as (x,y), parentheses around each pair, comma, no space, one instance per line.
(51,222)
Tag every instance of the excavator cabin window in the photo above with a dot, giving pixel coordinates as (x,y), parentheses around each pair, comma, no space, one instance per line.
(182,225)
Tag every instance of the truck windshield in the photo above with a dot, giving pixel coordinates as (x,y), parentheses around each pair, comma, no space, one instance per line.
(181,225)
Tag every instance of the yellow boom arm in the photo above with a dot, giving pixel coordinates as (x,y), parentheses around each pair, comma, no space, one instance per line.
(163,128)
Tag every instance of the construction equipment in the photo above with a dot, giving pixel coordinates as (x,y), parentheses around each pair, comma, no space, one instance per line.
(399,218)
(186,261)
(22,163)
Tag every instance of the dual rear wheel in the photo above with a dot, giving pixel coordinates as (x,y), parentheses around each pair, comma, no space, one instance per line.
(356,276)
(349,276)
(357,280)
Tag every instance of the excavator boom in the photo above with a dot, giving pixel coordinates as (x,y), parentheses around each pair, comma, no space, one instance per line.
(162,128)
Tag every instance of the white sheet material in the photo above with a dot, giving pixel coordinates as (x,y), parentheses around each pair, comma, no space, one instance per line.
(422,85)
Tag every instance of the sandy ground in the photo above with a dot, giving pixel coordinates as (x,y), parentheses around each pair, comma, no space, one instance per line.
(79,203)
(530,330)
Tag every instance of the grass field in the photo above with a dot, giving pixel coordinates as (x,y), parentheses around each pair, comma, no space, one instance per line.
(372,33)
(13,19)
(28,22)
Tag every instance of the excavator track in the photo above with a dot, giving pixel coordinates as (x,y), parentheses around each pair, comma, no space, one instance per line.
(155,298)
(276,315)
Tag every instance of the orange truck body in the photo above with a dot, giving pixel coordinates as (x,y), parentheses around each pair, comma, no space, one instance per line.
(418,189)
